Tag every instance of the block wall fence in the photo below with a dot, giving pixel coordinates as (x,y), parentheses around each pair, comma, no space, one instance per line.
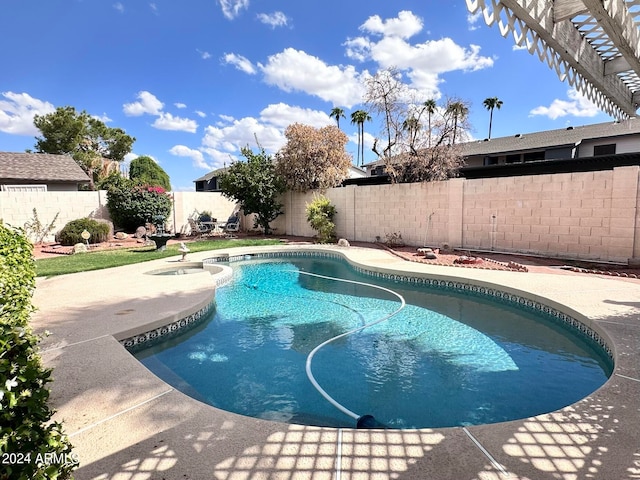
(586,215)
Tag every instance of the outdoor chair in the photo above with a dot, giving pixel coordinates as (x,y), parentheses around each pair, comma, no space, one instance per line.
(232,226)
(197,228)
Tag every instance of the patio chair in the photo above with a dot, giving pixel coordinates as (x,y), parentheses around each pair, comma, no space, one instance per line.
(232,226)
(198,228)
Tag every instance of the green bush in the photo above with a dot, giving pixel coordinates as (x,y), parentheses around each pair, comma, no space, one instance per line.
(320,215)
(25,418)
(133,207)
(72,231)
(145,171)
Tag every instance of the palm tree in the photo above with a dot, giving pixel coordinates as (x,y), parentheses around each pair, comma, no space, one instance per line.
(491,103)
(430,107)
(358,118)
(459,111)
(411,125)
(337,112)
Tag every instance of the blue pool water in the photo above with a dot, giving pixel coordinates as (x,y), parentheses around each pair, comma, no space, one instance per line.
(446,359)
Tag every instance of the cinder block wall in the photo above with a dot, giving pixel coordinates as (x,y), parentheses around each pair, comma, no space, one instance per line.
(586,215)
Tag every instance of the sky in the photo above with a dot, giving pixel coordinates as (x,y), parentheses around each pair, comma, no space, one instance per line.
(195,81)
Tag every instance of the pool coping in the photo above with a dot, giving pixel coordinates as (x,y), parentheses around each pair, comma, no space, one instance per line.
(560,444)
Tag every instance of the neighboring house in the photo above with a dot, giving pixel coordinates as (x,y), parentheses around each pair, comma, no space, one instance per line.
(209,182)
(590,147)
(40,172)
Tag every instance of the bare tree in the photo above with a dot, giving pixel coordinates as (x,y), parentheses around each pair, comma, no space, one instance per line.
(313,158)
(430,154)
(386,96)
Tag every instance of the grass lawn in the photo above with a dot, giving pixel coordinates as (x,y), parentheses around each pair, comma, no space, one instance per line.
(49,267)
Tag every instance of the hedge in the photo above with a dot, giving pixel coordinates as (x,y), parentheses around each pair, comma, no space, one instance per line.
(31,446)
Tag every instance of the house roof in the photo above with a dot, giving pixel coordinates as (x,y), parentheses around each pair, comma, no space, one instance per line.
(570,136)
(211,175)
(40,167)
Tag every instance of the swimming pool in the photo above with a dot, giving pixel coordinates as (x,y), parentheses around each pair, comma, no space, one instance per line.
(447,359)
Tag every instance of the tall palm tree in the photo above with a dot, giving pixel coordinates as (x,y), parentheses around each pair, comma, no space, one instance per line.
(337,113)
(459,111)
(411,125)
(491,103)
(430,107)
(358,118)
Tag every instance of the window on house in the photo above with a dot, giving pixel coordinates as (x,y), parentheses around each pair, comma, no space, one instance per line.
(609,149)
(514,158)
(533,156)
(490,160)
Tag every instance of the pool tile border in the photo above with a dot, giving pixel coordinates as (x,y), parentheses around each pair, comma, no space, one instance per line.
(175,328)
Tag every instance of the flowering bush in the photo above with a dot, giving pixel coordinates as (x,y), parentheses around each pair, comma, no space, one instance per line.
(132,207)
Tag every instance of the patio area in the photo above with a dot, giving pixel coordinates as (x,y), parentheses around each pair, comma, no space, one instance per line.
(127,424)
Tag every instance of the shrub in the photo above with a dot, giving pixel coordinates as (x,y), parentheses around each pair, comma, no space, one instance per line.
(25,418)
(132,207)
(320,215)
(145,171)
(72,231)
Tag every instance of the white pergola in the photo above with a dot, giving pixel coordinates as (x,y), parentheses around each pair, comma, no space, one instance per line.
(592,44)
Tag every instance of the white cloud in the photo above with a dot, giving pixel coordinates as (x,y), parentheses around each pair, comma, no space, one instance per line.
(154,8)
(180,105)
(119,7)
(195,155)
(231,8)
(200,113)
(295,70)
(104,118)
(275,19)
(223,141)
(282,115)
(577,105)
(147,103)
(17,112)
(240,62)
(166,121)
(422,62)
(472,20)
(405,25)
(204,55)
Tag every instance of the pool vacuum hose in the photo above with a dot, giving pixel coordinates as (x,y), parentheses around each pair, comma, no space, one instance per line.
(362,421)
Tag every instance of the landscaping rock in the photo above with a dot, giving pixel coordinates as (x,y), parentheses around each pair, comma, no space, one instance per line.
(80,248)
(140,232)
(343,242)
(121,235)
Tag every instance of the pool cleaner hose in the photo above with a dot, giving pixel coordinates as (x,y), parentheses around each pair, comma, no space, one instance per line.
(362,421)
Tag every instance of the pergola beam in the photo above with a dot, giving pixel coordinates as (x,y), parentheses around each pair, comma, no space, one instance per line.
(567,9)
(545,28)
(616,21)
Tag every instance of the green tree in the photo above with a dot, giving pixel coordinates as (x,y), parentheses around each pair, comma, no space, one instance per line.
(256,186)
(337,113)
(85,138)
(358,118)
(145,171)
(491,103)
(313,158)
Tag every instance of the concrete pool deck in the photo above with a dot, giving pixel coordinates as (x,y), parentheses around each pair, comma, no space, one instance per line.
(126,423)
